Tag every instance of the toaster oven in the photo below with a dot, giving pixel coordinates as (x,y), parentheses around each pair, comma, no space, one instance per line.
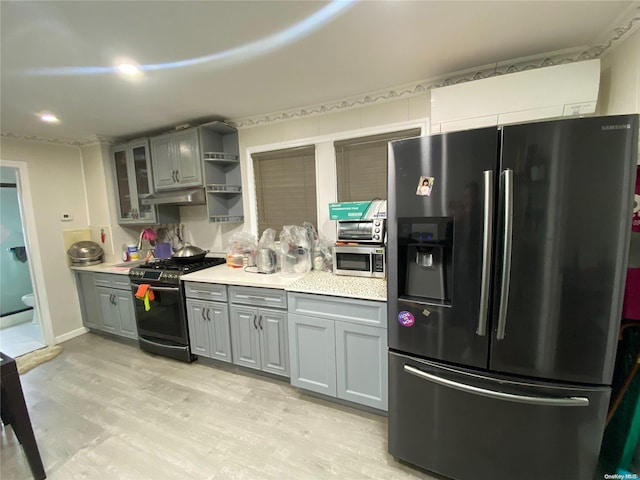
(362,231)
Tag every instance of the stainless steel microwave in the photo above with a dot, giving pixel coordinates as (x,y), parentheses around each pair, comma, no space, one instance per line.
(362,231)
(359,260)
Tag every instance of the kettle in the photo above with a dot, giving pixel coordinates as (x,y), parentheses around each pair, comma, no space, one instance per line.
(266,260)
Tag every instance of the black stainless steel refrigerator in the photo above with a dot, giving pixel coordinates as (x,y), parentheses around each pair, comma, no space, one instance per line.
(507,250)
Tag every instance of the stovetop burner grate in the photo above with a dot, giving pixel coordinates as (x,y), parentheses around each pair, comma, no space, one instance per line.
(173,266)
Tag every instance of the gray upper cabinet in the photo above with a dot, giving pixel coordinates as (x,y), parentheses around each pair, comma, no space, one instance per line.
(259,337)
(338,347)
(132,176)
(176,160)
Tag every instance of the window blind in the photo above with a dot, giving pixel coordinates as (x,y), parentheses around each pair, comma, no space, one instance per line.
(285,187)
(361,165)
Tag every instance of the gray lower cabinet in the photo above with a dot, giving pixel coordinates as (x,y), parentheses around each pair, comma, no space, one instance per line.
(209,329)
(361,364)
(106,303)
(259,338)
(118,314)
(339,347)
(89,305)
(312,349)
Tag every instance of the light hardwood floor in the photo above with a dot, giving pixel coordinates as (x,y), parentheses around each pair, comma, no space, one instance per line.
(107,410)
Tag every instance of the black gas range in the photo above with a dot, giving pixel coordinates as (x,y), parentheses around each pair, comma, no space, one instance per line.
(167,271)
(163,327)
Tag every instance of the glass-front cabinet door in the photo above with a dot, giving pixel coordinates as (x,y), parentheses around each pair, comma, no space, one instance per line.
(123,188)
(132,172)
(142,176)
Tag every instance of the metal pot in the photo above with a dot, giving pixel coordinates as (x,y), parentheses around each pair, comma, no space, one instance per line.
(189,254)
(85,253)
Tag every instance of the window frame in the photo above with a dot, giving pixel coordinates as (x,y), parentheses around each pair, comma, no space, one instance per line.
(325,169)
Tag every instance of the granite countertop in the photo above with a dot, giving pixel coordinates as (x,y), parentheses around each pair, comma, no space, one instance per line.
(121,268)
(321,283)
(226,275)
(324,283)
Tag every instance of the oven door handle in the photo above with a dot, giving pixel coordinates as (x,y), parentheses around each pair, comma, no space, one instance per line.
(157,289)
(163,345)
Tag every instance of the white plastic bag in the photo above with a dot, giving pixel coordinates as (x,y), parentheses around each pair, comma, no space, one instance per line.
(241,249)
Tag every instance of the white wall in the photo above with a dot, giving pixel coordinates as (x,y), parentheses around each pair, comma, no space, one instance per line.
(620,80)
(322,131)
(55,178)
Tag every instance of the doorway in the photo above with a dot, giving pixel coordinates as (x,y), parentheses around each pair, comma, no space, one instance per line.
(21,322)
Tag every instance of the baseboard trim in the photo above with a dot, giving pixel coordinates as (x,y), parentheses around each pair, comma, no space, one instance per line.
(71,334)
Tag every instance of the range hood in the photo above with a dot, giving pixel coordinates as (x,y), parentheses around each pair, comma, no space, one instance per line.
(176,197)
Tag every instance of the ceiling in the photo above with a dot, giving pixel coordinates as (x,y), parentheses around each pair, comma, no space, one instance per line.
(254,58)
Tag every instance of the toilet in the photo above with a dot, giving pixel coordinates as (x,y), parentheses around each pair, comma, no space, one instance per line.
(30,301)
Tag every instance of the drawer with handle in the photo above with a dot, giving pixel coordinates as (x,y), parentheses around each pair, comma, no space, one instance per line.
(111,280)
(258,297)
(206,291)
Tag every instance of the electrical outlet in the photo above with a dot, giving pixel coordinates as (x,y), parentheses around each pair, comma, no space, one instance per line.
(66,217)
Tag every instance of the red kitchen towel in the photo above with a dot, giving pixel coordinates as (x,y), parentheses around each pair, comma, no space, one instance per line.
(631,305)
(142,291)
(635,226)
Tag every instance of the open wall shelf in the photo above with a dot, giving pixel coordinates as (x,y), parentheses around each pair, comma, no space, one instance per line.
(223,182)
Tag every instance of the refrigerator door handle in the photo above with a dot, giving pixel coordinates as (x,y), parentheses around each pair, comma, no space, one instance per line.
(506,253)
(509,397)
(487,240)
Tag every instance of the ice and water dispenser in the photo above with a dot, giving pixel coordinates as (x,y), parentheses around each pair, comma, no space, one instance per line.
(425,254)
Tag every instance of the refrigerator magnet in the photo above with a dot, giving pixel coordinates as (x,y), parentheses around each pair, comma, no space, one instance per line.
(406,319)
(425,184)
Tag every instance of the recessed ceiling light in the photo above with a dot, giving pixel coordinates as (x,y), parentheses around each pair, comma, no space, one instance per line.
(49,118)
(128,69)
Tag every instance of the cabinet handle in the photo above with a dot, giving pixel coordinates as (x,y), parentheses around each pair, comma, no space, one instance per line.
(204,292)
(254,321)
(177,176)
(208,311)
(202,313)
(260,322)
